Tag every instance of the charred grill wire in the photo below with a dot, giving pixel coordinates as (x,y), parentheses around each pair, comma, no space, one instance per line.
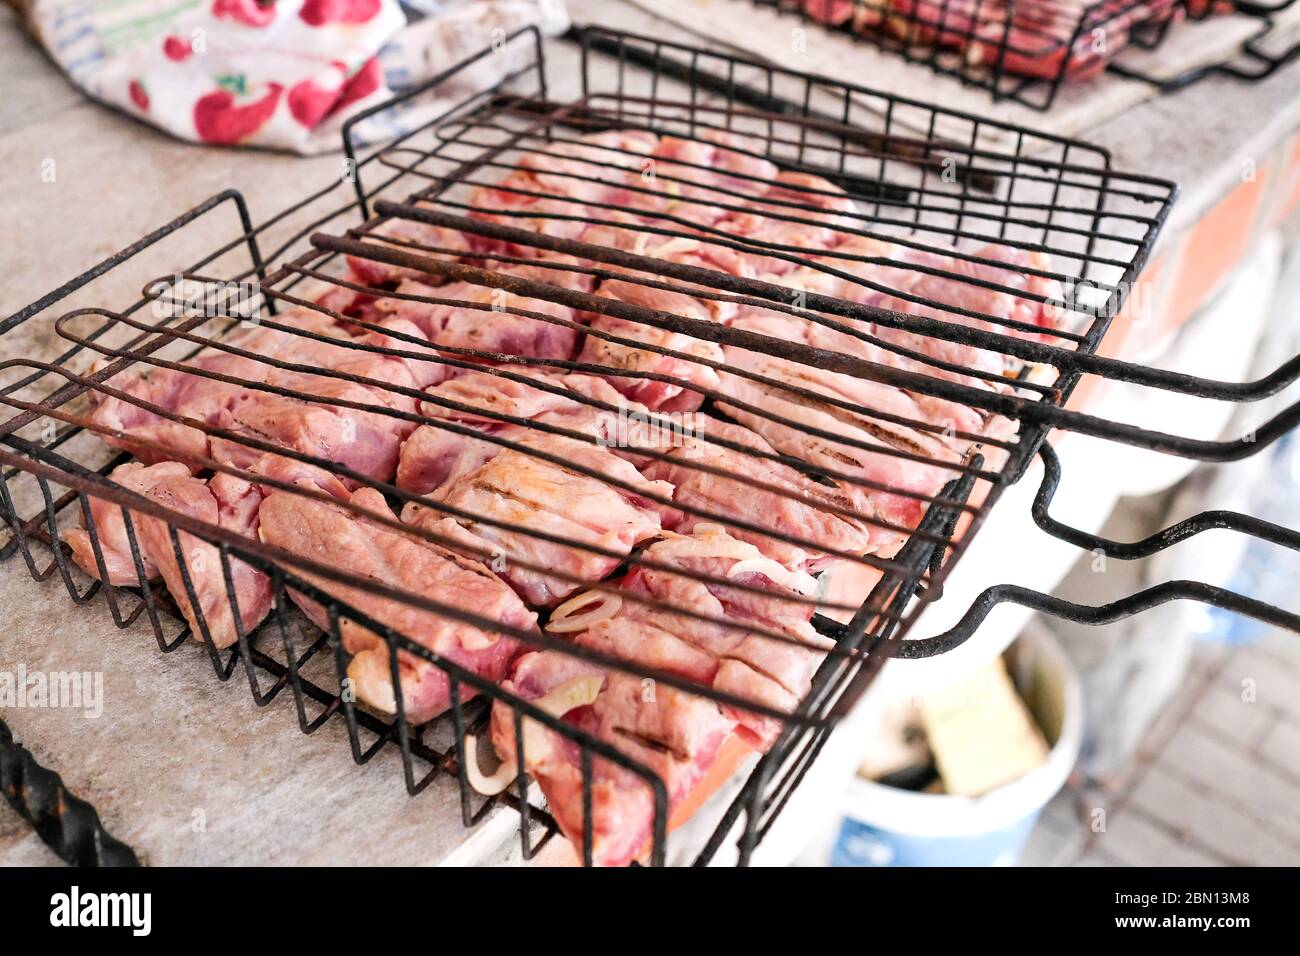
(468,202)
(67,823)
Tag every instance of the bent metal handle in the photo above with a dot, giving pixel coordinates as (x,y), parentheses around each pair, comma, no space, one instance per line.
(1154,543)
(1089,614)
(1120,550)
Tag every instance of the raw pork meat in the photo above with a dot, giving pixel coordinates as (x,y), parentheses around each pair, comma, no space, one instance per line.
(528,493)
(1036,34)
(656,395)
(374,273)
(552,186)
(793,509)
(675,734)
(225,501)
(363,440)
(369,551)
(484,325)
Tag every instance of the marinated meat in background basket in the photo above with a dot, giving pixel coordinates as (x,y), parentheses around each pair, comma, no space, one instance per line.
(525,481)
(1043,39)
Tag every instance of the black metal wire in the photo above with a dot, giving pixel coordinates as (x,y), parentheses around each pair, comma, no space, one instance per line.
(1153,543)
(69,825)
(1144,600)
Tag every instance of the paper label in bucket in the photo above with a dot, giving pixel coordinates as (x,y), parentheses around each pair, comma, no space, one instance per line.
(981,733)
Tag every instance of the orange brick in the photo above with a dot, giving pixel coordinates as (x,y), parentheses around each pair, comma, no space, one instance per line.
(1132,326)
(1215,246)
(1290,194)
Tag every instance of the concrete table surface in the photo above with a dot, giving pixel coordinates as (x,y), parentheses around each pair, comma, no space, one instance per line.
(185,768)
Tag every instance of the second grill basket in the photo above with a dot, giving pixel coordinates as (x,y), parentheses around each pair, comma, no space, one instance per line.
(1027,50)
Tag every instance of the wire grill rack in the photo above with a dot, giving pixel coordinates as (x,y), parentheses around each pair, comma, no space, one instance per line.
(1026,50)
(1048,226)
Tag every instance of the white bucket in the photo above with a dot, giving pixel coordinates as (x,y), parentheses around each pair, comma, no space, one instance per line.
(884,826)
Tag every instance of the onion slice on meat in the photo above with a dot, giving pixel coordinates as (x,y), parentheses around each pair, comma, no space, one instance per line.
(487,785)
(777,573)
(568,696)
(641,246)
(711,540)
(564,620)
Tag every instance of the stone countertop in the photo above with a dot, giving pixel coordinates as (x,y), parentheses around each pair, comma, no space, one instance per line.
(176,755)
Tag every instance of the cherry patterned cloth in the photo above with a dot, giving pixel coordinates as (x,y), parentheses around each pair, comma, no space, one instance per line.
(284,74)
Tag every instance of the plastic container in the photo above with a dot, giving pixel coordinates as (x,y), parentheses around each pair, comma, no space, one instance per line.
(884,826)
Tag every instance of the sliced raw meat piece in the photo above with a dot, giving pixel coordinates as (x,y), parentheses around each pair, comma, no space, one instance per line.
(872,395)
(893,280)
(627,235)
(487,396)
(656,395)
(951,416)
(366,442)
(766,196)
(541,198)
(190,395)
(561,218)
(567,168)
(549,268)
(792,511)
(348,302)
(434,456)
(423,372)
(366,550)
(485,326)
(535,399)
(226,502)
(110,526)
(694,175)
(673,734)
(889,471)
(314,428)
(751,666)
(357,356)
(959,287)
(780,218)
(232,504)
(727,650)
(375,273)
(366,330)
(298,473)
(927,350)
(529,493)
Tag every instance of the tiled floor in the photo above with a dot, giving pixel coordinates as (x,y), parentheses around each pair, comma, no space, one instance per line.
(1215,782)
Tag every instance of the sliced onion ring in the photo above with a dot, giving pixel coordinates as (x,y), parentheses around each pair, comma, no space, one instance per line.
(777,573)
(568,696)
(565,621)
(489,786)
(714,542)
